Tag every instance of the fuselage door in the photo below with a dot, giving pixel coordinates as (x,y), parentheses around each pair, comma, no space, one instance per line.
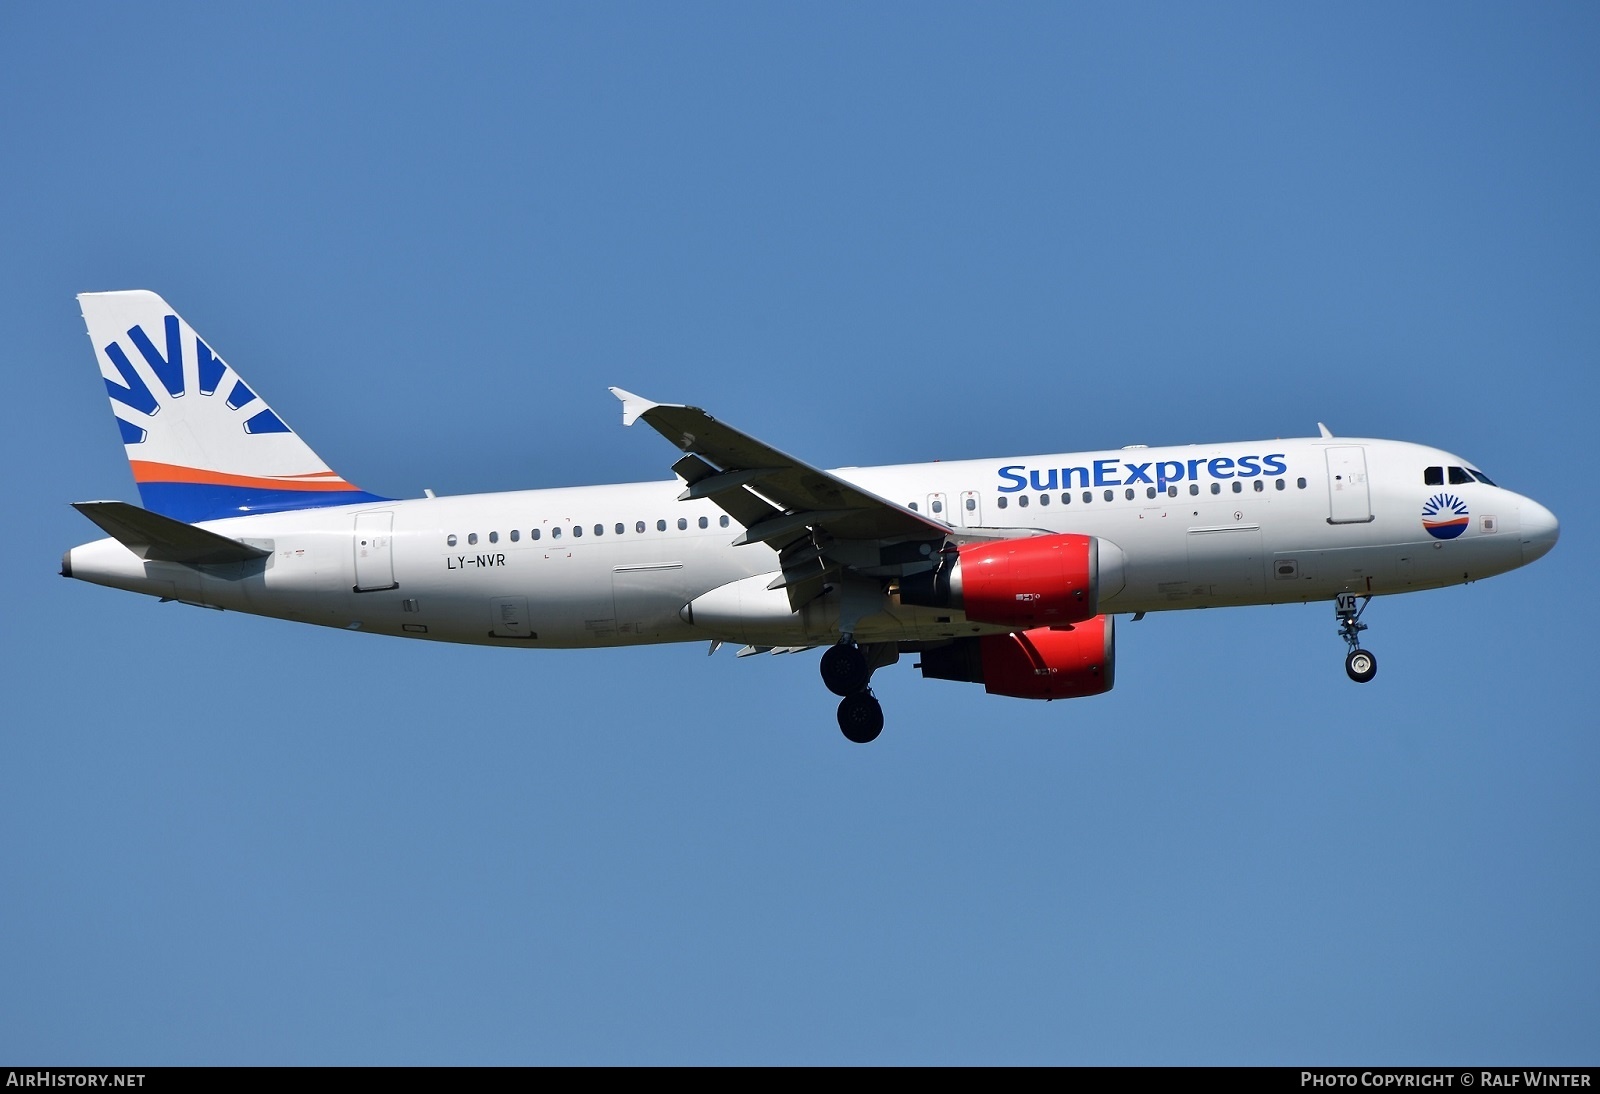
(1225,564)
(648,596)
(1349,501)
(375,552)
(971,509)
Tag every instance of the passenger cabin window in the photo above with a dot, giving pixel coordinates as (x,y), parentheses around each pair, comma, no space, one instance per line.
(1022,501)
(1110,494)
(621,528)
(516,534)
(1001,503)
(555,533)
(1066,498)
(705,523)
(577,530)
(937,506)
(1459,476)
(1433,476)
(1300,484)
(683,522)
(722,521)
(1238,487)
(494,537)
(661,526)
(450,541)
(599,529)
(1044,499)
(972,504)
(638,526)
(1194,488)
(1216,488)
(472,537)
(1088,496)
(534,534)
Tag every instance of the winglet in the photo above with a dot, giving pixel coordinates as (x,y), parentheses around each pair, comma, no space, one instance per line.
(632,405)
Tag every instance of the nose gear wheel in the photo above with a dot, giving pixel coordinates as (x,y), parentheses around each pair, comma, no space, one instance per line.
(1359,664)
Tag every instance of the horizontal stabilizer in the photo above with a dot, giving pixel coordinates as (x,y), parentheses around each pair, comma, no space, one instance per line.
(156,538)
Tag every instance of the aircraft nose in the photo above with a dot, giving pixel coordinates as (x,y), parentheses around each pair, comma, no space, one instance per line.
(1540,530)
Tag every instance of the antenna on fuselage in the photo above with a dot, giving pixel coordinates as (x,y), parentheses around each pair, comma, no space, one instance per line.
(1324,430)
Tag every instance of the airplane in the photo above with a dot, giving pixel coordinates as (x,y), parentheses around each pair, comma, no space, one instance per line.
(1002,572)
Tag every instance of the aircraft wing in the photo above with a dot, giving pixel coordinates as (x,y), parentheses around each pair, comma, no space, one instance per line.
(774,495)
(823,527)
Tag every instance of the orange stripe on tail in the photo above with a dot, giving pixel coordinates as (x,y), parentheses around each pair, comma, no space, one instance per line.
(148,471)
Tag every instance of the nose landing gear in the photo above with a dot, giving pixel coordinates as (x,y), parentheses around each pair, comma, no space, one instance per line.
(846,671)
(1359,664)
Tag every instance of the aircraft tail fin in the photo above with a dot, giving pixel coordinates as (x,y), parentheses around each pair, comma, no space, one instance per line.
(201,443)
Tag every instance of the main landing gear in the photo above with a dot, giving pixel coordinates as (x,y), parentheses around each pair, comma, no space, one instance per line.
(846,672)
(1359,664)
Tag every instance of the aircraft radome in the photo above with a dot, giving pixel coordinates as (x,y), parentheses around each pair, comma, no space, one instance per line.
(1003,572)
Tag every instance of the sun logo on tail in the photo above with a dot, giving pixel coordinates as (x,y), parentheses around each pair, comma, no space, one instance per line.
(1445,516)
(135,394)
(201,443)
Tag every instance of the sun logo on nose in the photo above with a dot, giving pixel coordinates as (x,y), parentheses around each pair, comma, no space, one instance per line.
(1445,516)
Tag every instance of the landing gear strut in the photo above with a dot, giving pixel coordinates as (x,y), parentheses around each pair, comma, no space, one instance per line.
(1360,665)
(846,671)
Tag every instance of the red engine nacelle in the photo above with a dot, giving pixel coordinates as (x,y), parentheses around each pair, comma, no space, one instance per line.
(1042,581)
(1048,663)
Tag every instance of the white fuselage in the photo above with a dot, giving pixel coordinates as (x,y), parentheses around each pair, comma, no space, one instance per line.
(616,565)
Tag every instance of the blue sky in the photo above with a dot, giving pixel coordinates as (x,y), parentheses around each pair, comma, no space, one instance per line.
(875,233)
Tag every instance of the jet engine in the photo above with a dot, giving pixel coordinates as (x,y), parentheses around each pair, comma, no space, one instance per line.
(1041,581)
(1046,663)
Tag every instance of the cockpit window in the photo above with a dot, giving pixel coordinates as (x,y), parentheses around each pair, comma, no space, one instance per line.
(1433,476)
(1481,477)
(1459,476)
